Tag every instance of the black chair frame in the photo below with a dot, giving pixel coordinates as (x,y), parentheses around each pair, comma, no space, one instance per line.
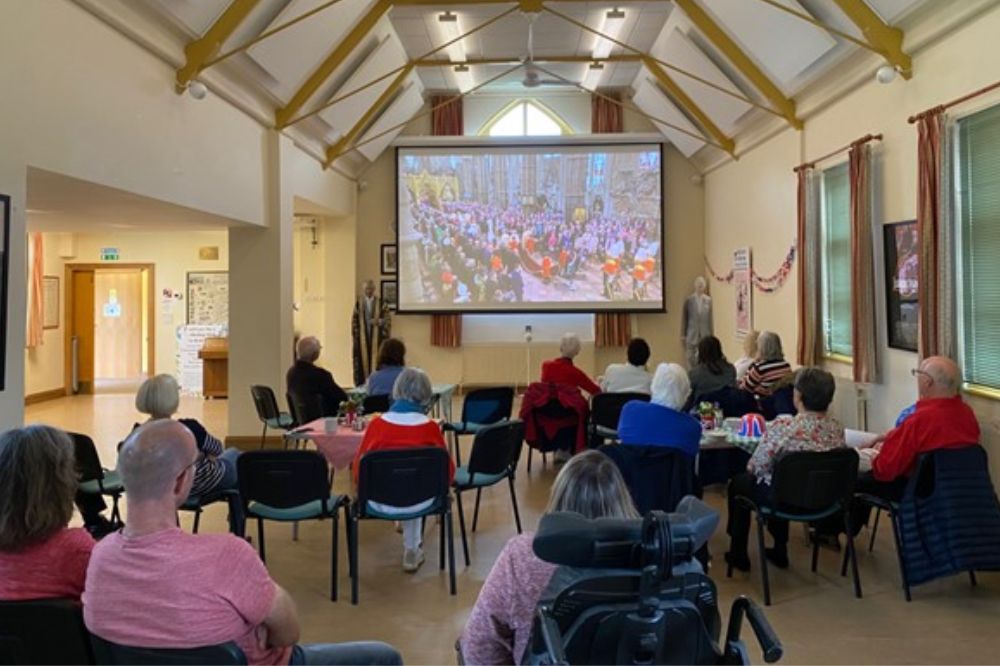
(231,497)
(114,653)
(43,631)
(266,405)
(89,467)
(605,410)
(481,407)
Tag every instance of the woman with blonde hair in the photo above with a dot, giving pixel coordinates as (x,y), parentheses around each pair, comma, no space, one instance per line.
(40,556)
(498,628)
(749,354)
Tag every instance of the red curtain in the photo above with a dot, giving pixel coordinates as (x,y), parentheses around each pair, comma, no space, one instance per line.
(446,120)
(863,334)
(611,329)
(809,318)
(929,229)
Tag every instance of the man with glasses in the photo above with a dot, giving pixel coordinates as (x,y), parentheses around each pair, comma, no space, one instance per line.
(153,585)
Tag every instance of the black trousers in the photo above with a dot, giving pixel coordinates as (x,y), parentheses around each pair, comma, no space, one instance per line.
(745,485)
(90,507)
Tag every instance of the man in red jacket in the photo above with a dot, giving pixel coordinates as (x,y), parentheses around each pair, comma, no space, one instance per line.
(941,421)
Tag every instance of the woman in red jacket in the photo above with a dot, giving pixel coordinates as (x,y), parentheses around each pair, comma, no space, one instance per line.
(562,371)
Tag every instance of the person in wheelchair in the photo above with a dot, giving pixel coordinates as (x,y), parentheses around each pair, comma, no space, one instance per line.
(497,630)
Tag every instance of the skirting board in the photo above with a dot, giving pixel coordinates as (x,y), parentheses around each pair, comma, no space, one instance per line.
(252,442)
(42,396)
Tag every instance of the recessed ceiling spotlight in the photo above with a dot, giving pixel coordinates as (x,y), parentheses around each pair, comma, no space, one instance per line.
(597,65)
(448,17)
(615,13)
(461,68)
(197,90)
(885,74)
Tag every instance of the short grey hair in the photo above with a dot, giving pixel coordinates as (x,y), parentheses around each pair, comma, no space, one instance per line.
(769,347)
(569,345)
(152,458)
(307,349)
(414,385)
(159,396)
(671,386)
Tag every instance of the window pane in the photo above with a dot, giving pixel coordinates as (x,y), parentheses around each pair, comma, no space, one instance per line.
(510,123)
(836,260)
(979,228)
(540,123)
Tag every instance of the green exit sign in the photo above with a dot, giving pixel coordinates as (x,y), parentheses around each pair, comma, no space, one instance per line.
(109,254)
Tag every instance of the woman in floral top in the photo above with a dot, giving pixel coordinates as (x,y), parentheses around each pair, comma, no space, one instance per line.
(810,430)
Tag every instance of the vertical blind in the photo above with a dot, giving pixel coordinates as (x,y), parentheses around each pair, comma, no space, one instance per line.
(836,260)
(978,182)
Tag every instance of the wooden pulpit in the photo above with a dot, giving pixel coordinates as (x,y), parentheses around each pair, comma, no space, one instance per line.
(214,354)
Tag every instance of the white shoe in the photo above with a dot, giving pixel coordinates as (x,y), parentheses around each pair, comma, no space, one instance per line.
(412,559)
(560,456)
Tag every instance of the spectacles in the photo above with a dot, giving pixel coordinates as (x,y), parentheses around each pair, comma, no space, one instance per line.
(197,459)
(917,372)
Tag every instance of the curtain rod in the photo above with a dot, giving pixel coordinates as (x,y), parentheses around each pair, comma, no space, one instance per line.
(941,107)
(863,140)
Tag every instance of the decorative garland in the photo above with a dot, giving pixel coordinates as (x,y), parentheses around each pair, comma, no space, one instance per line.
(769,284)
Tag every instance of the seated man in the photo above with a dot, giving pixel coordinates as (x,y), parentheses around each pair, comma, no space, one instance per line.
(940,421)
(631,377)
(153,585)
(306,380)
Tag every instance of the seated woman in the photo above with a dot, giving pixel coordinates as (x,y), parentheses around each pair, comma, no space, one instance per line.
(498,628)
(660,422)
(562,371)
(405,425)
(770,368)
(390,362)
(40,557)
(810,430)
(712,372)
(744,362)
(160,397)
(631,377)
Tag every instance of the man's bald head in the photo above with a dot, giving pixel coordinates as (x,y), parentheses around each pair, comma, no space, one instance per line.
(153,457)
(942,375)
(307,349)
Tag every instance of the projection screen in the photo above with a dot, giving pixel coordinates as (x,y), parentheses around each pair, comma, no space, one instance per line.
(530,228)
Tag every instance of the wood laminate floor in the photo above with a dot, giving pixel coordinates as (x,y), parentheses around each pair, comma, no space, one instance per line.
(816,615)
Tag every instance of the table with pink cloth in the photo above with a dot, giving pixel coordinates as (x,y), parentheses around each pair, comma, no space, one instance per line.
(337,447)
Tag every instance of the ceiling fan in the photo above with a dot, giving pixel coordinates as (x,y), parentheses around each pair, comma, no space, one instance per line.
(532,76)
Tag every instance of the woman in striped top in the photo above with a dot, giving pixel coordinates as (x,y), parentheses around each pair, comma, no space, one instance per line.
(770,370)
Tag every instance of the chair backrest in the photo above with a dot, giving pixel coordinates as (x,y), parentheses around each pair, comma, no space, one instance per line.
(43,631)
(282,479)
(403,477)
(113,653)
(734,402)
(657,477)
(565,437)
(606,408)
(488,405)
(305,408)
(810,481)
(88,463)
(265,402)
(376,404)
(496,448)
(779,402)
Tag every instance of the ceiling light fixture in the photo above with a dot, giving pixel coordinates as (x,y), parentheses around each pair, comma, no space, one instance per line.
(611,25)
(461,68)
(615,13)
(197,90)
(597,65)
(448,17)
(886,74)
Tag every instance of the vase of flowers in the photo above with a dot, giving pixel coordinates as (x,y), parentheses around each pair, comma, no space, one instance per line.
(349,410)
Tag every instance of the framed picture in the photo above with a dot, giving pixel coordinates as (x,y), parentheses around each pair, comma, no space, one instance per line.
(901,304)
(50,301)
(387,293)
(208,297)
(4,271)
(388,259)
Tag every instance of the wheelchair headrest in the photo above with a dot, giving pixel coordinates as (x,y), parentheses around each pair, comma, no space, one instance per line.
(569,539)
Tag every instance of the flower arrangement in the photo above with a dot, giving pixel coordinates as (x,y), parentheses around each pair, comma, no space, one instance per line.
(349,409)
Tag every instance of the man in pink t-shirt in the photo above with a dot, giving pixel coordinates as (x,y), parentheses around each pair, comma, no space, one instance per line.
(153,585)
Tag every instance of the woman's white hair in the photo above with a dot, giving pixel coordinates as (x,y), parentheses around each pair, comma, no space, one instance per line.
(769,347)
(569,345)
(158,396)
(671,386)
(414,385)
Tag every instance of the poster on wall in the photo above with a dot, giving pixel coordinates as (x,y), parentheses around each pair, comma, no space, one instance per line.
(741,280)
(208,298)
(4,258)
(902,306)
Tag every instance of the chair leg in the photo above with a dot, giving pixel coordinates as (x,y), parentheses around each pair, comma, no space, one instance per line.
(263,436)
(475,514)
(197,520)
(898,538)
(763,560)
(513,501)
(851,552)
(353,559)
(545,460)
(458,450)
(295,531)
(349,537)
(334,554)
(260,539)
(451,551)
(530,450)
(972,578)
(461,525)
(871,541)
(441,553)
(815,554)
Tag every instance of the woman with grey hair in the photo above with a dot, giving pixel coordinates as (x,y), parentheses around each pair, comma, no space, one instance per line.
(770,370)
(160,397)
(660,422)
(562,371)
(404,426)
(40,556)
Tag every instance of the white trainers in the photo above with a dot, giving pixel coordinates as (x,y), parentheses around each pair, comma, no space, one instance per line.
(560,456)
(412,559)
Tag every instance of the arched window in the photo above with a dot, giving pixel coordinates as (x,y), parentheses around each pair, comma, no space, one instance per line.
(525,118)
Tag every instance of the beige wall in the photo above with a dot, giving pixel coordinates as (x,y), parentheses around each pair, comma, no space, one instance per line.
(752,202)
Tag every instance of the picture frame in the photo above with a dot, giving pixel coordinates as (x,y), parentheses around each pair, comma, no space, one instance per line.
(902,305)
(208,297)
(388,259)
(388,294)
(50,300)
(4,273)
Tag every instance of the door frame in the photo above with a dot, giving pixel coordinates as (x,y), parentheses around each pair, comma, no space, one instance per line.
(150,314)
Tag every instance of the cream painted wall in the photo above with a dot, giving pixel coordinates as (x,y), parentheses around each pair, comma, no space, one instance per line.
(752,201)
(43,365)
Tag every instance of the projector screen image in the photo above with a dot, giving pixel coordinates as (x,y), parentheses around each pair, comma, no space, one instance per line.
(530,228)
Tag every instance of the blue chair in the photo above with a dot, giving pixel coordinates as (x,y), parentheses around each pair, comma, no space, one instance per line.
(481,407)
(43,631)
(496,450)
(268,412)
(94,478)
(290,486)
(403,477)
(807,487)
(113,653)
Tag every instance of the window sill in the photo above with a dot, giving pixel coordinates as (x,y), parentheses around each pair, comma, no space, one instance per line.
(839,358)
(981,391)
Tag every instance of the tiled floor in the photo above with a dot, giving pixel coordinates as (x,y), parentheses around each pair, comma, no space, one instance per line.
(816,615)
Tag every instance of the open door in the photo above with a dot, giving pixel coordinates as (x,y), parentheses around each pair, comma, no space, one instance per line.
(81,332)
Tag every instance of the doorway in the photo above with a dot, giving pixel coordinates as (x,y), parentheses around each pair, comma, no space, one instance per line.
(109,344)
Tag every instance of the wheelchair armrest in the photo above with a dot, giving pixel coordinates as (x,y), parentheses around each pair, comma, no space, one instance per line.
(552,638)
(770,645)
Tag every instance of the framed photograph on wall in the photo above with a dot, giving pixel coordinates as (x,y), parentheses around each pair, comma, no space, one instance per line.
(388,259)
(387,293)
(902,306)
(4,272)
(50,301)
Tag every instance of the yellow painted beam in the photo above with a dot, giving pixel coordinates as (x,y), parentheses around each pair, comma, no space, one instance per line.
(331,63)
(731,50)
(334,151)
(884,39)
(437,62)
(679,96)
(198,52)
